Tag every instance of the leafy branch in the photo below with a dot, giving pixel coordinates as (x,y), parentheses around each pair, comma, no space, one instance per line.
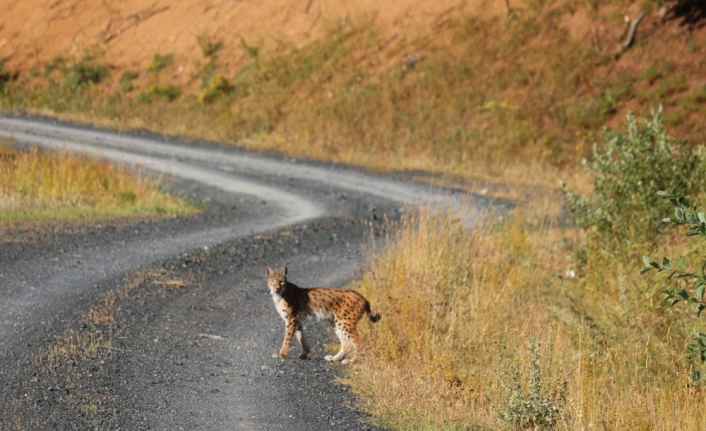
(625,173)
(685,214)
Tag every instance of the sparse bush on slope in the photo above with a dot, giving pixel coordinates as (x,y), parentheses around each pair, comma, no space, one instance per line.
(37,186)
(625,173)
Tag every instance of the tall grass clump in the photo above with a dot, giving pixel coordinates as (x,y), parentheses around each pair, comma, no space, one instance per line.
(35,185)
(452,301)
(463,342)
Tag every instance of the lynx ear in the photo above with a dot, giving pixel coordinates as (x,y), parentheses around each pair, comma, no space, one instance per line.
(269,272)
(284,270)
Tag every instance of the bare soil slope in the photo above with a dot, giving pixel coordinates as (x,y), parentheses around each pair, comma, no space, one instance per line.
(130,32)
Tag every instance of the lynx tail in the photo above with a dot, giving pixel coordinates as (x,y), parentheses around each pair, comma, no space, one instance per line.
(372,317)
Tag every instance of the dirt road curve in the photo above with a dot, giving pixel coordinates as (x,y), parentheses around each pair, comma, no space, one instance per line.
(168,325)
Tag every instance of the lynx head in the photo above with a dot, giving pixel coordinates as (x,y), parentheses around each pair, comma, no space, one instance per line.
(276,281)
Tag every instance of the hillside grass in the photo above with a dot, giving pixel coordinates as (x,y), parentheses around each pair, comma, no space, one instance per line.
(463,310)
(39,186)
(513,98)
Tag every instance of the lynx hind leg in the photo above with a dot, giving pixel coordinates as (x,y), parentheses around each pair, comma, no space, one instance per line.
(345,346)
(302,340)
(355,343)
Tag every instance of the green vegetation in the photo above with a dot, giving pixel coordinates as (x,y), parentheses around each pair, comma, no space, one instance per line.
(625,172)
(158,88)
(35,186)
(457,347)
(690,283)
(168,91)
(540,402)
(126,80)
(5,76)
(213,85)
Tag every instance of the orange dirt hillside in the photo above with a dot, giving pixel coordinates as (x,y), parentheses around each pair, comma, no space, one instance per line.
(131,32)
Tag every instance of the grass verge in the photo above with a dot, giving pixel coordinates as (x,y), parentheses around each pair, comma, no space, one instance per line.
(38,186)
(497,329)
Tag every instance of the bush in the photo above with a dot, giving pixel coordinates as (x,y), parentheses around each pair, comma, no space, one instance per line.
(168,91)
(625,174)
(159,62)
(156,87)
(126,80)
(84,73)
(5,76)
(209,48)
(690,283)
(217,86)
(539,404)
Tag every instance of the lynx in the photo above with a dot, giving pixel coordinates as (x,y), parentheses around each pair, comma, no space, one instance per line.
(343,307)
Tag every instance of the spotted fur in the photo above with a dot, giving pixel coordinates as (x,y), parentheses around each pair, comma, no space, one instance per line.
(343,307)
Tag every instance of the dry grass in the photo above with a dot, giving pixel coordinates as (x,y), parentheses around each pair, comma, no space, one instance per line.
(39,186)
(458,308)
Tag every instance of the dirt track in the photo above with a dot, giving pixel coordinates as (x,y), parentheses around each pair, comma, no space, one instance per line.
(168,324)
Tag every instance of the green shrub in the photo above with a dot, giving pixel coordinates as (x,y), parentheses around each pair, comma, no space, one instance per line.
(168,91)
(126,80)
(217,86)
(209,48)
(538,404)
(84,73)
(213,85)
(158,88)
(159,62)
(626,172)
(690,283)
(5,75)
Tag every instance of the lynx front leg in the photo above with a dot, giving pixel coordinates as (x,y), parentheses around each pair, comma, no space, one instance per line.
(305,347)
(288,335)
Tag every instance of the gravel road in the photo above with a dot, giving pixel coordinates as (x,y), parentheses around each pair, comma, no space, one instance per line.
(167,324)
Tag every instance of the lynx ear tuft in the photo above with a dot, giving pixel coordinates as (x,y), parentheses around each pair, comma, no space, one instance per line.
(284,270)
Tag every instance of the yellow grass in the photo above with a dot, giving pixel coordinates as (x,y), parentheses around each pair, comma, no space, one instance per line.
(39,186)
(452,301)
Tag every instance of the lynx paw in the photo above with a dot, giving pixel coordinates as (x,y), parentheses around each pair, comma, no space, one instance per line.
(348,361)
(329,358)
(278,355)
(304,356)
